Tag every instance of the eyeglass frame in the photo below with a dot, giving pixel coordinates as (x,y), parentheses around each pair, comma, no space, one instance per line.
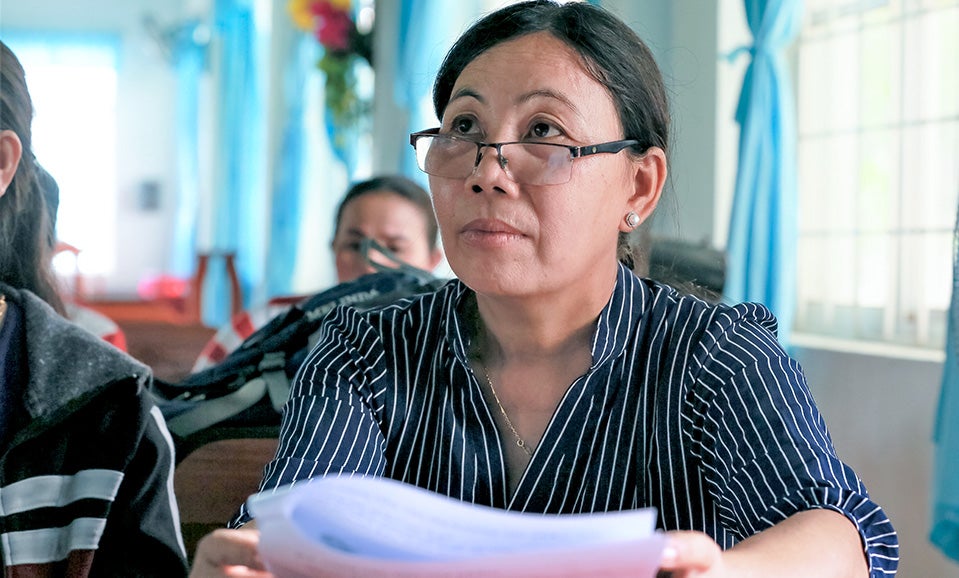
(575,152)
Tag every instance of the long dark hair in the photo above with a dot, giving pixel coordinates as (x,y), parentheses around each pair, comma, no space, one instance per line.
(612,53)
(25,226)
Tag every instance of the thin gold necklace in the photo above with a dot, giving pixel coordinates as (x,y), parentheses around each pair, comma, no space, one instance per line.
(509,423)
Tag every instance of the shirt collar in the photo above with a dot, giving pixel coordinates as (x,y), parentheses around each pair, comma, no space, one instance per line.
(619,318)
(614,327)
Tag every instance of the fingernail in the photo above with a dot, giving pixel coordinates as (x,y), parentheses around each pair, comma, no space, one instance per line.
(669,556)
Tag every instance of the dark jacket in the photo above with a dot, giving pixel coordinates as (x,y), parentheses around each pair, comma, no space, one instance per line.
(86,471)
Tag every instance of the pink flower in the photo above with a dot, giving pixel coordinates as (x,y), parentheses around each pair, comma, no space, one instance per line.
(333,26)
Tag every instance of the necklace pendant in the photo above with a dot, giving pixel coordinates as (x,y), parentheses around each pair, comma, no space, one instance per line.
(522,445)
(509,423)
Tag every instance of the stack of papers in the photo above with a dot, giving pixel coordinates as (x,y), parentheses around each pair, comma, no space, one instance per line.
(339,527)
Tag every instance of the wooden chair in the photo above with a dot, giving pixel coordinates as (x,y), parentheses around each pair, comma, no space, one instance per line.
(194,298)
(179,310)
(167,333)
(212,481)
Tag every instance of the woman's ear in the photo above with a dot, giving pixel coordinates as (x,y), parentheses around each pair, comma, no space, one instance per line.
(436,255)
(649,177)
(10,152)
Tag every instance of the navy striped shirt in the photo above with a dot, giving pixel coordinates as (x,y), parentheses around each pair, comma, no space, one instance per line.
(688,407)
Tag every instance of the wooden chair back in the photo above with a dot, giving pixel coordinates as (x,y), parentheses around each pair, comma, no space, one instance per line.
(214,480)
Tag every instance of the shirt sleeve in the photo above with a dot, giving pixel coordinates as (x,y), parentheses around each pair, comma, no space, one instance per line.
(767,453)
(330,422)
(144,517)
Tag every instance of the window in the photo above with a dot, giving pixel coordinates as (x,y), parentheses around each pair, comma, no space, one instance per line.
(73,85)
(878,103)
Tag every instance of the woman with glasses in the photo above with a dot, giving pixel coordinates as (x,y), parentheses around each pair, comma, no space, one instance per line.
(548,377)
(391,210)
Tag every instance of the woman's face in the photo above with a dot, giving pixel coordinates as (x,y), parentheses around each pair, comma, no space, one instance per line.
(506,238)
(392,221)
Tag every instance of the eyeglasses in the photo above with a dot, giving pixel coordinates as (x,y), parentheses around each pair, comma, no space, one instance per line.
(528,163)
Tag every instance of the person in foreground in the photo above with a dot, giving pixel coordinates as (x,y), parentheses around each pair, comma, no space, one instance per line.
(548,377)
(87,463)
(392,210)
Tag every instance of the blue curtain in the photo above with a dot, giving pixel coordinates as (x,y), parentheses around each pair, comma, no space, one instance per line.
(286,217)
(419,53)
(238,202)
(189,61)
(945,502)
(414,64)
(762,229)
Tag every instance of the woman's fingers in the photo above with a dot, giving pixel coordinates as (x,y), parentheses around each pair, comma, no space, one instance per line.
(691,553)
(230,553)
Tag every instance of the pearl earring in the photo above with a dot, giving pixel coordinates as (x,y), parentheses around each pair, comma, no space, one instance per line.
(632,220)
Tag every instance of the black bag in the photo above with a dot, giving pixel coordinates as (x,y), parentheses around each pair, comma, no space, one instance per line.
(243,395)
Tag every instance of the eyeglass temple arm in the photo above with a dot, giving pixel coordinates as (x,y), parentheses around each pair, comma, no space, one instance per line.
(609,147)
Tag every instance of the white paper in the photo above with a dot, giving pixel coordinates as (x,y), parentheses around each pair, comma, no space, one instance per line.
(342,527)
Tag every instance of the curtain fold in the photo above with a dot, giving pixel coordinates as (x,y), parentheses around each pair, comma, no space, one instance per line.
(287,200)
(238,200)
(762,230)
(422,45)
(189,58)
(945,499)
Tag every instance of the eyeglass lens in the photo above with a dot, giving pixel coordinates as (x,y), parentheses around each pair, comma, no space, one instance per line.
(527,163)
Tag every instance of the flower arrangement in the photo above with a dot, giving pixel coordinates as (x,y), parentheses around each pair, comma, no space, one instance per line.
(332,23)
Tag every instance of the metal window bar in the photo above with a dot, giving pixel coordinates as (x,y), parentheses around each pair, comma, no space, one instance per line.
(905,306)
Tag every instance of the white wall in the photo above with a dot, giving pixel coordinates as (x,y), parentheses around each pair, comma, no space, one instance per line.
(880,410)
(683,36)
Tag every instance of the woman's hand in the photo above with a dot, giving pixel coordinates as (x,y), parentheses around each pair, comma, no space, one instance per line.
(230,553)
(692,555)
(819,543)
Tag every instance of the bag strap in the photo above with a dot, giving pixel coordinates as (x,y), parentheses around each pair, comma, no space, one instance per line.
(272,381)
(208,412)
(273,371)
